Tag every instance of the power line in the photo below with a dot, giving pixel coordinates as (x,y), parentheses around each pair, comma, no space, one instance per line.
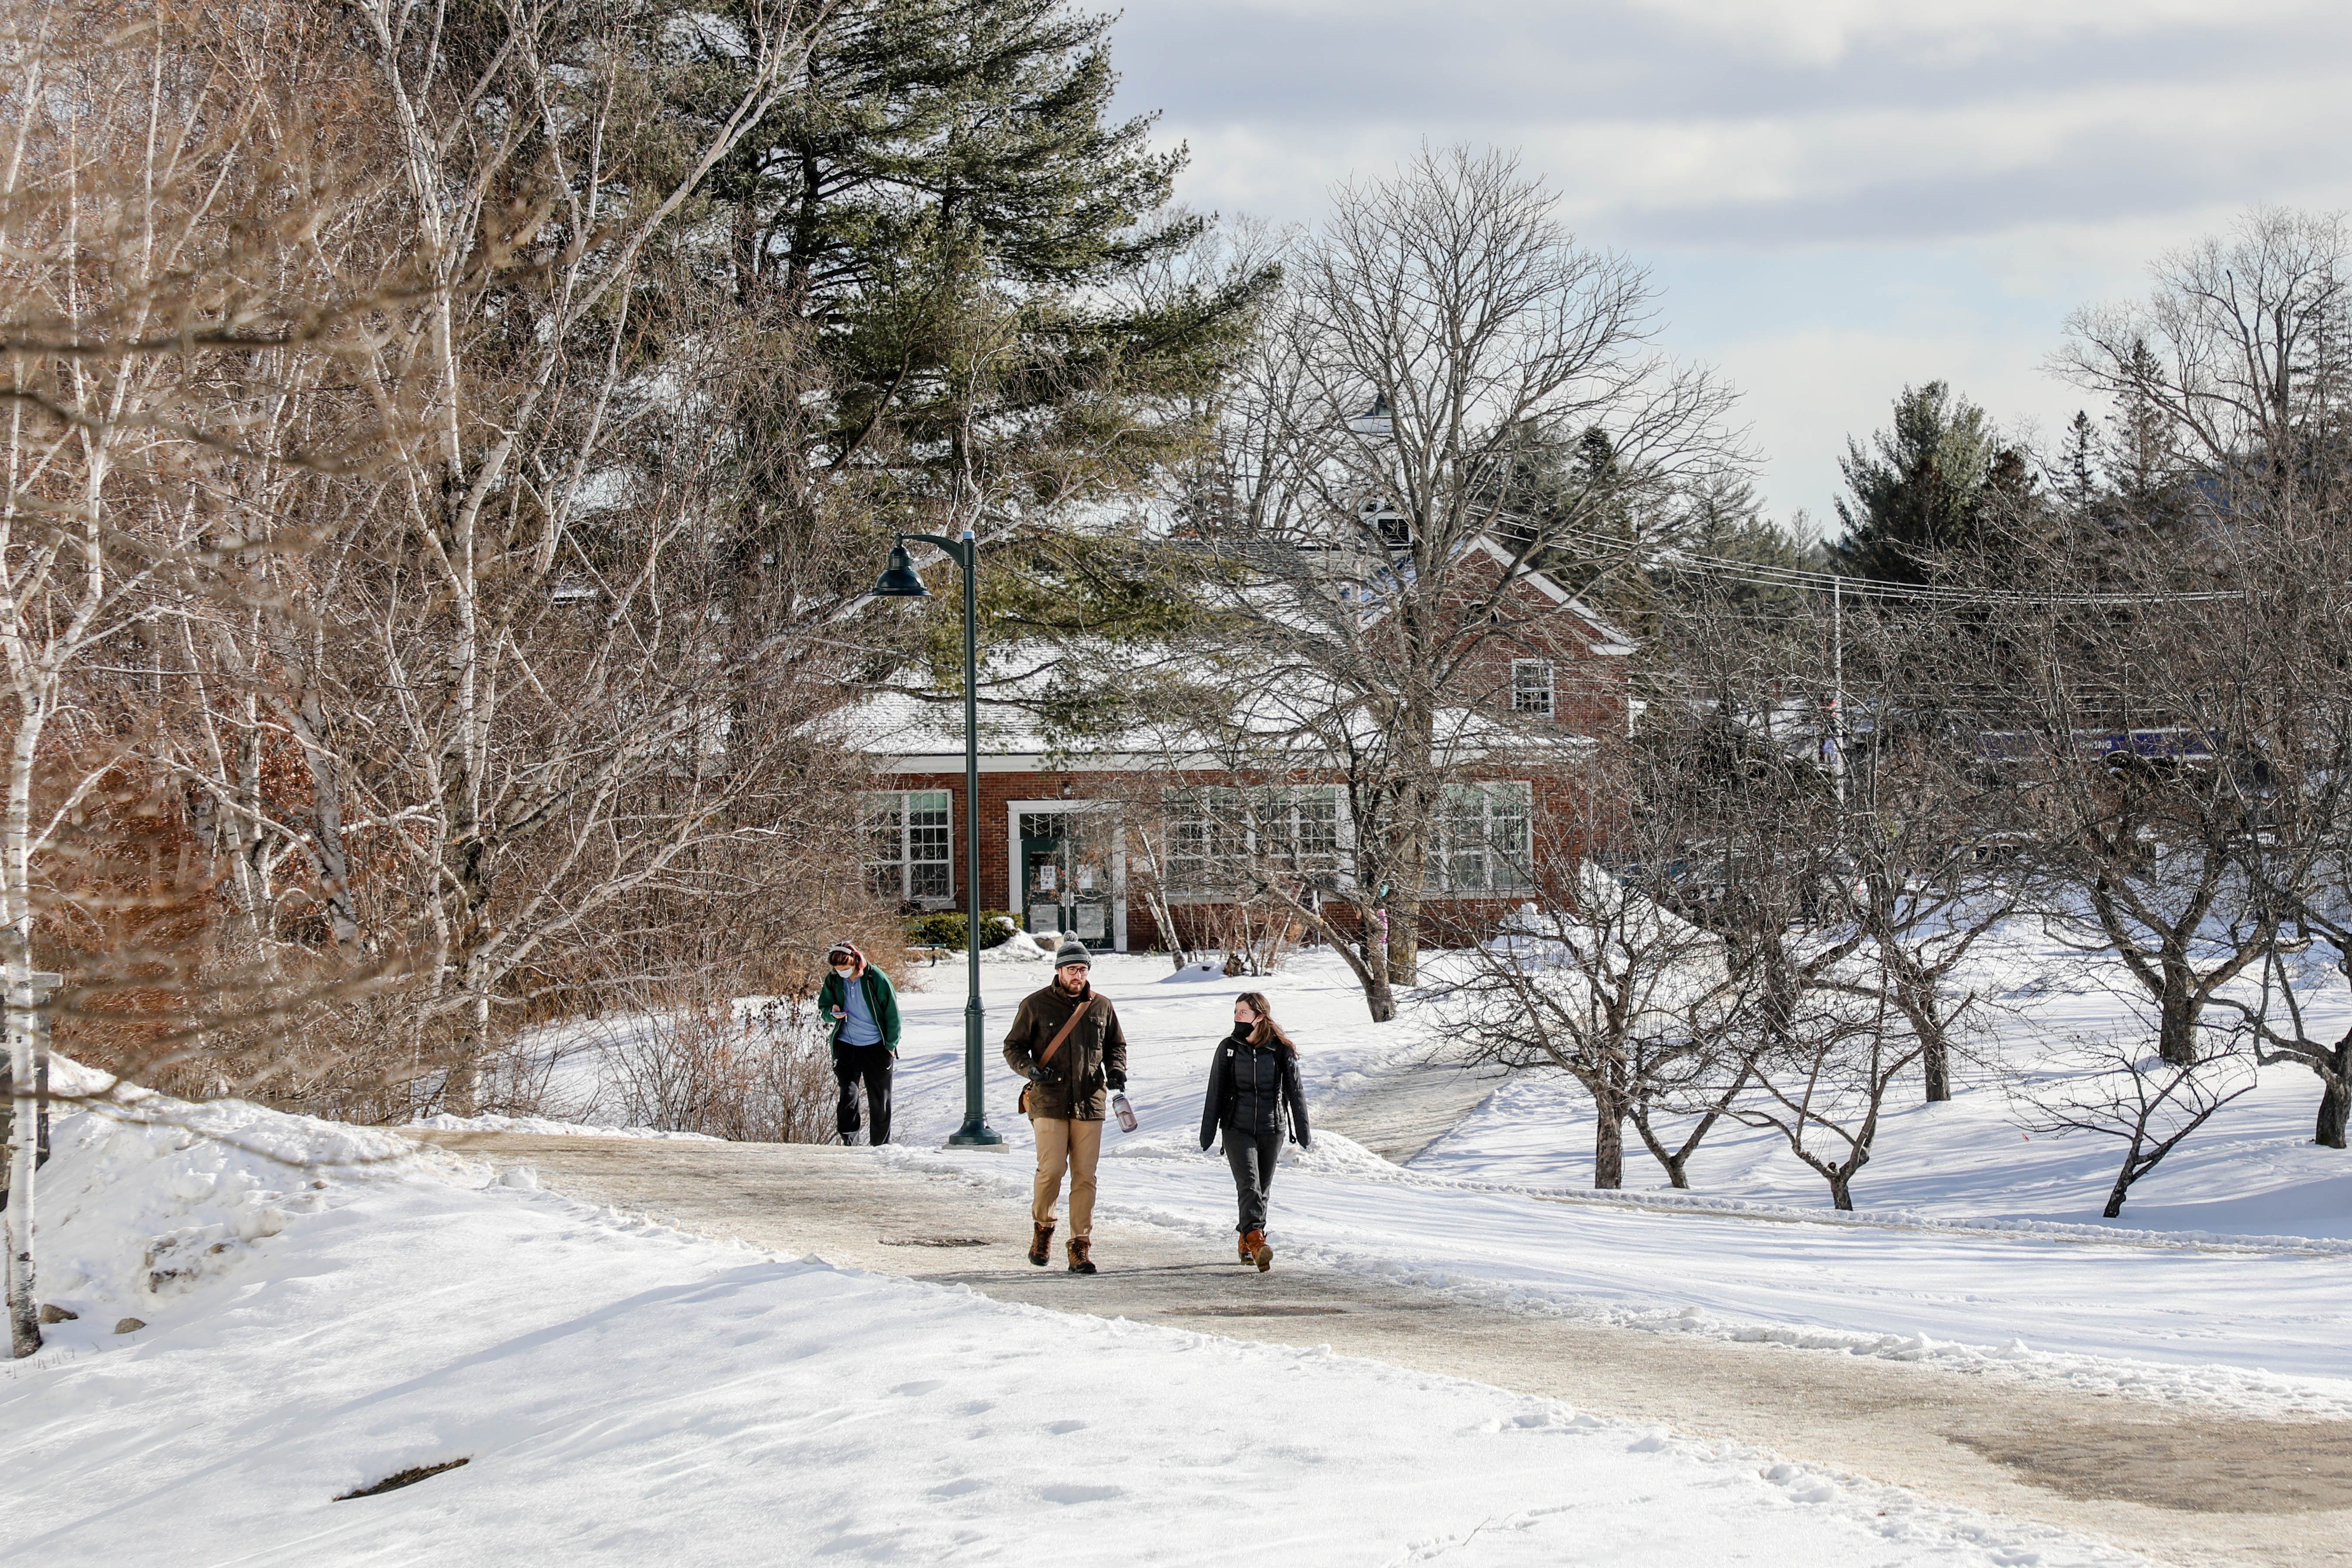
(1763,575)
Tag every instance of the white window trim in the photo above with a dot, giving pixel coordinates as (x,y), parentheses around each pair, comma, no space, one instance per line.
(1550,691)
(1343,834)
(906,862)
(1439,883)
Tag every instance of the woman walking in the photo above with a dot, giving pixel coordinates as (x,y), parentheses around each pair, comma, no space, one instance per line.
(1253,1079)
(858,1003)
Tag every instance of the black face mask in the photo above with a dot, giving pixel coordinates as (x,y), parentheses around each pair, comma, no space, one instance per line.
(1242,1031)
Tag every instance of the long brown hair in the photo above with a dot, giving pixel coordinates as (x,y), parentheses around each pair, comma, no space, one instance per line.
(1266,1028)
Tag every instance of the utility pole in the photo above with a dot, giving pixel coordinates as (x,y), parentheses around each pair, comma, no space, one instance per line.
(1837,688)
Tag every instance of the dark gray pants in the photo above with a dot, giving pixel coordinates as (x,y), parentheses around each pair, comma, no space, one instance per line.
(1252,1157)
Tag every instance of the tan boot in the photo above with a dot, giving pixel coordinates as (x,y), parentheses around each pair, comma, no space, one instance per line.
(1254,1246)
(1247,1256)
(1041,1246)
(1081,1259)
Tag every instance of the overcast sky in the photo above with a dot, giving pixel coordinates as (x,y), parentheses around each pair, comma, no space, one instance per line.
(1835,197)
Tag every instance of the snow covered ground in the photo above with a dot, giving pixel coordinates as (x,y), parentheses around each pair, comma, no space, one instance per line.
(322,1308)
(2254,1171)
(323,1311)
(546,1127)
(1980,1249)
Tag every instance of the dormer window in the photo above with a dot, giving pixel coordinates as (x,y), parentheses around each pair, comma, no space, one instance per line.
(1531,686)
(1380,519)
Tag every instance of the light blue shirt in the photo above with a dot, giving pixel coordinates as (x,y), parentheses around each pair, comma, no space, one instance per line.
(859,1027)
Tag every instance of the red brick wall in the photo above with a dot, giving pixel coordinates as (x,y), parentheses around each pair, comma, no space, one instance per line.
(1587,687)
(1589,694)
(1556,802)
(997,791)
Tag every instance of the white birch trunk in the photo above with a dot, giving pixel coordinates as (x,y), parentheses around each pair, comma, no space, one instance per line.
(24,1126)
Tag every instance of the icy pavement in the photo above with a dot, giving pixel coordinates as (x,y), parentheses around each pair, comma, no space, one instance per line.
(624,1393)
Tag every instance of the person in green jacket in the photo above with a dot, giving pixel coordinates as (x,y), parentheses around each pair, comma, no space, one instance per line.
(859,1004)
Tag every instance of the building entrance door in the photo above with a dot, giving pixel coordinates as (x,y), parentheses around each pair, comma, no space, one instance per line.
(1067,873)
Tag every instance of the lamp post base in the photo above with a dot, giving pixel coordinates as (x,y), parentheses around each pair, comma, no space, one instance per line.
(981,1137)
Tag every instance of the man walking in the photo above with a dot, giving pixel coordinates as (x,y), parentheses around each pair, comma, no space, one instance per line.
(1066,1040)
(858,1001)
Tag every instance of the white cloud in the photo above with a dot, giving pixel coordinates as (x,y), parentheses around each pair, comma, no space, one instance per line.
(1842,195)
(1824,32)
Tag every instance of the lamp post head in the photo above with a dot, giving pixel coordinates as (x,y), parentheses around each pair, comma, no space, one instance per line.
(1376,422)
(898,580)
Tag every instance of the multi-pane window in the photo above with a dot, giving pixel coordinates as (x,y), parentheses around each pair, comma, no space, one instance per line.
(1207,842)
(1303,829)
(1531,686)
(1482,842)
(909,853)
(1220,839)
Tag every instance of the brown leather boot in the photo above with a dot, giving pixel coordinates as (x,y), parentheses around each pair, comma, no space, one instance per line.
(1255,1248)
(1247,1256)
(1080,1260)
(1041,1246)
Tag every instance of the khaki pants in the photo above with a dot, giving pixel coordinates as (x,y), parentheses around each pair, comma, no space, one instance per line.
(1074,1146)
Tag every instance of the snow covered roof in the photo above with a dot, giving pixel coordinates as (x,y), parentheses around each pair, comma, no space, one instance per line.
(1369,591)
(916,734)
(1609,642)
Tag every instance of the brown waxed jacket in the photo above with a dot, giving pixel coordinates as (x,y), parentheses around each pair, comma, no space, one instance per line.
(1091,1062)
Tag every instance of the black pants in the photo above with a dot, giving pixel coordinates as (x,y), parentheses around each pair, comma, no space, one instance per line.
(871,1063)
(1252,1156)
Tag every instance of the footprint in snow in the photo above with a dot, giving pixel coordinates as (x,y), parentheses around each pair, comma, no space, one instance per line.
(958,1489)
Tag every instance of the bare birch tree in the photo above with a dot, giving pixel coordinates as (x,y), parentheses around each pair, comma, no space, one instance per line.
(177,274)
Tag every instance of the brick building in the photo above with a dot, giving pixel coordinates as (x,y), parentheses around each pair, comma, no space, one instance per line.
(1059,840)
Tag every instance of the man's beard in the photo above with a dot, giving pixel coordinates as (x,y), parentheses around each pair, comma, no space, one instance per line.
(1069,990)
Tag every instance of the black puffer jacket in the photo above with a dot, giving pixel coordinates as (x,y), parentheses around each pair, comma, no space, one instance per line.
(1249,1088)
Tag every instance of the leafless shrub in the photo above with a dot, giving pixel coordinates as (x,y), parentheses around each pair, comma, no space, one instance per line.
(1594,976)
(751,1074)
(1255,934)
(2117,1089)
(1821,1078)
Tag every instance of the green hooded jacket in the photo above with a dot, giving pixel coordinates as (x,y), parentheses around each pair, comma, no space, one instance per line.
(881,1000)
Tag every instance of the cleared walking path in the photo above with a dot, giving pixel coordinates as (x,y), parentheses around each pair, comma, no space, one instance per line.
(2182,1485)
(1404,1110)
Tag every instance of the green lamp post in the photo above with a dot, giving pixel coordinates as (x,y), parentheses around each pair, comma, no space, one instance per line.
(898,581)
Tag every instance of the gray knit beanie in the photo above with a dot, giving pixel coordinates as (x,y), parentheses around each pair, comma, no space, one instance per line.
(1074,952)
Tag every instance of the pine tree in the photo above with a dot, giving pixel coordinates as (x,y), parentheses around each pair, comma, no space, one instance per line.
(942,219)
(2146,483)
(1937,493)
(2080,459)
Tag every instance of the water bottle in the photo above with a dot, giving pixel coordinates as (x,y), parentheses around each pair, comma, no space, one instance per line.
(1124,1111)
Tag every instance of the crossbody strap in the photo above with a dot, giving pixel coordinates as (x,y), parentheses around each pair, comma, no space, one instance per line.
(1063,1034)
